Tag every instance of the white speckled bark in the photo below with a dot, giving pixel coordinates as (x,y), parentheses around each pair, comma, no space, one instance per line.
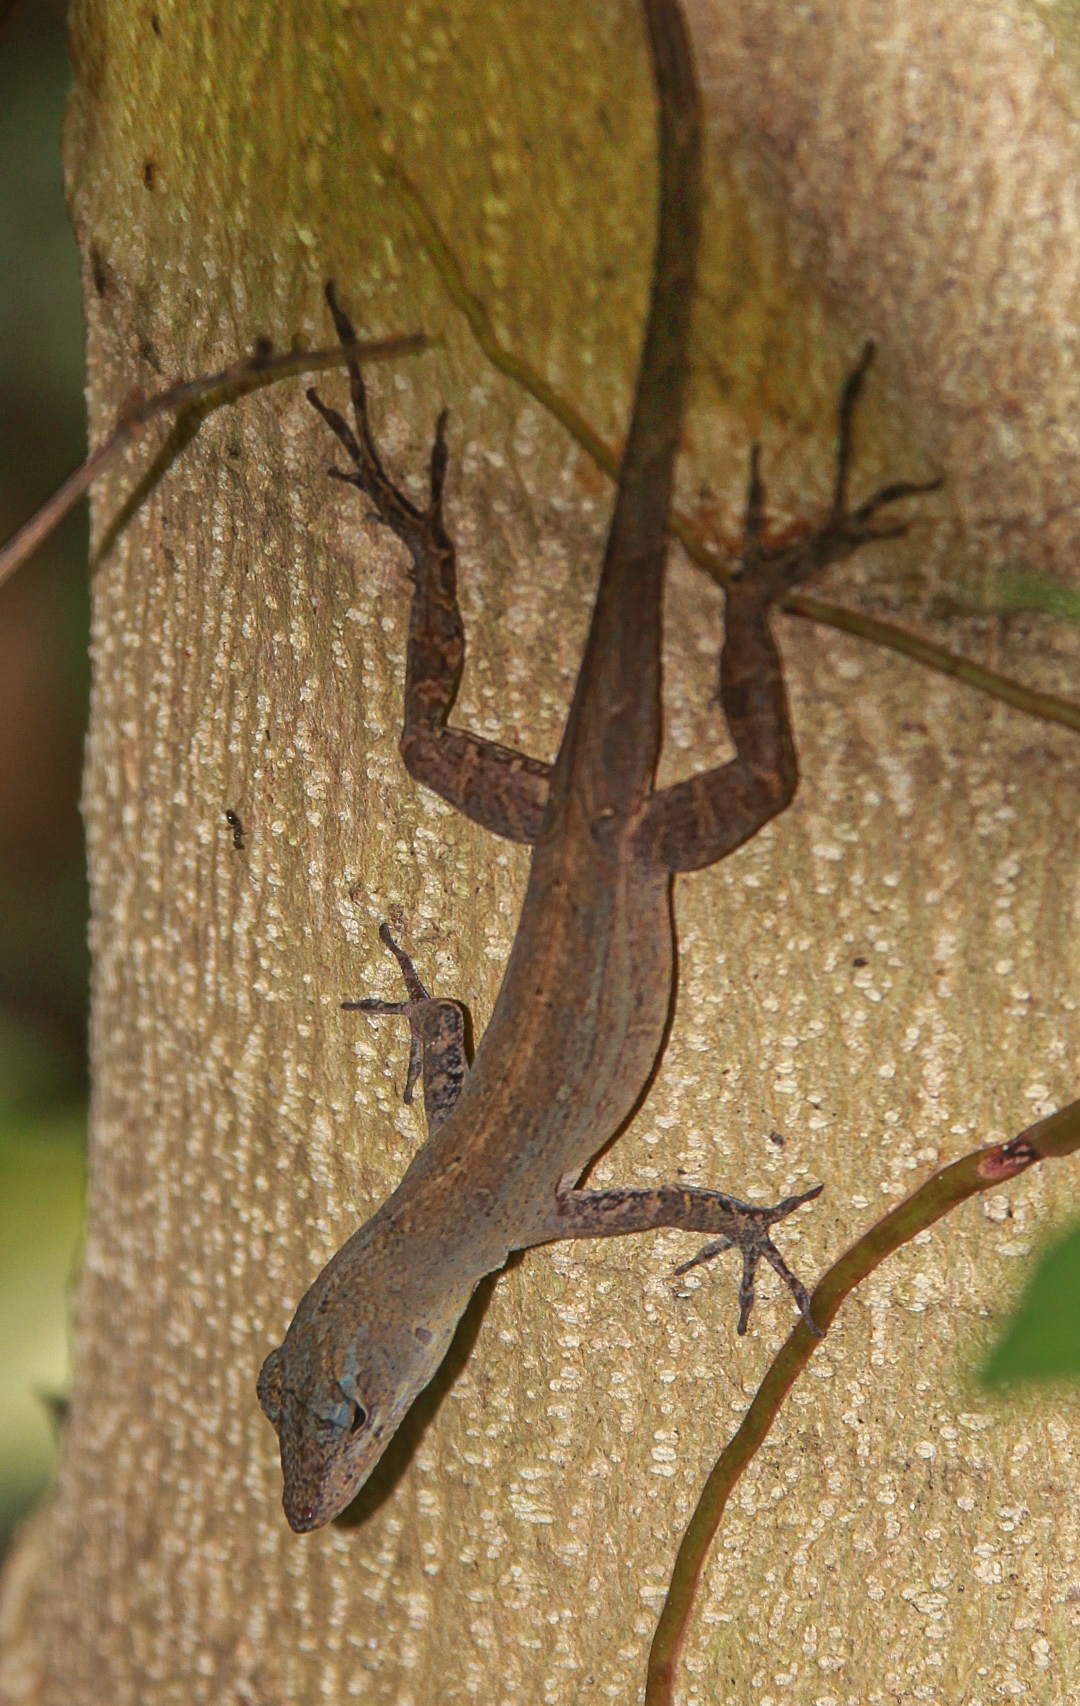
(903,169)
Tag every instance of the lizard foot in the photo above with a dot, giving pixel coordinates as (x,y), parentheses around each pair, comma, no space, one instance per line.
(419,529)
(752,1237)
(418,998)
(842,531)
(438,1046)
(612,1213)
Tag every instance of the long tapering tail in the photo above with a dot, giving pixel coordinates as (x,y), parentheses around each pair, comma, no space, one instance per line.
(612,737)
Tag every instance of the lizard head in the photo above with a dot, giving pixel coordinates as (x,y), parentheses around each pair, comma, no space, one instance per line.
(336,1406)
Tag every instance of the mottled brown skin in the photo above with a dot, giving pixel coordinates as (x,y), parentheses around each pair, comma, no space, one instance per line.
(581,1015)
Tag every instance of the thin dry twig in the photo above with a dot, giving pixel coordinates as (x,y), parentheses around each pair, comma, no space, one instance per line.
(249,374)
(1051,1138)
(264,369)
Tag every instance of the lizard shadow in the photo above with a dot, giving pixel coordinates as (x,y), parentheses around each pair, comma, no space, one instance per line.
(422,1412)
(403,1447)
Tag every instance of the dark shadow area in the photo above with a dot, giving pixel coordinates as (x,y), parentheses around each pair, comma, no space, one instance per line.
(402,1448)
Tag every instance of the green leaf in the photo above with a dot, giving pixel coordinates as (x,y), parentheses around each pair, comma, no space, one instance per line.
(1024,589)
(1042,1339)
(41,1196)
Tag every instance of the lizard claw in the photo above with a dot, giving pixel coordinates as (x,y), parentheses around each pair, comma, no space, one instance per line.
(843,530)
(753,1238)
(392,508)
(438,1050)
(418,997)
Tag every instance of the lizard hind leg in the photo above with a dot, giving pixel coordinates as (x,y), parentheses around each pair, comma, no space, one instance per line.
(694,823)
(436,1037)
(500,789)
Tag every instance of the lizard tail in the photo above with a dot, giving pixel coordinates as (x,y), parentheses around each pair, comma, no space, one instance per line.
(612,737)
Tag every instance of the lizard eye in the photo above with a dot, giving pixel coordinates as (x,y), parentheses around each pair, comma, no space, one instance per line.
(359,1417)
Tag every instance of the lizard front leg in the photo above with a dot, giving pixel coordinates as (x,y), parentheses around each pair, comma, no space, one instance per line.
(436,1037)
(699,821)
(500,789)
(734,1225)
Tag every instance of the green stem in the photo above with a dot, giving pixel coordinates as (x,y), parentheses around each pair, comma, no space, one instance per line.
(1056,1136)
(445,262)
(446,265)
(1045,705)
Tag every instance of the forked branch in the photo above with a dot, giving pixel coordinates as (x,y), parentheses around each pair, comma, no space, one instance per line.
(251,373)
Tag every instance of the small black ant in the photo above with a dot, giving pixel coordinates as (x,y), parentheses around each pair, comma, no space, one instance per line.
(233,821)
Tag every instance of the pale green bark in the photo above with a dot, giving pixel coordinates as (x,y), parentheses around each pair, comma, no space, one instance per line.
(901,169)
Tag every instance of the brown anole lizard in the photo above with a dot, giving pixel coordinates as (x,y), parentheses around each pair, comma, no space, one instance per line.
(583,1008)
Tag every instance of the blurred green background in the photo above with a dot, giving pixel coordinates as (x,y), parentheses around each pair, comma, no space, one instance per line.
(43,692)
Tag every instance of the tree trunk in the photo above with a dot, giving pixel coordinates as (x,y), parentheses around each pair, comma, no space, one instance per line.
(885,977)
